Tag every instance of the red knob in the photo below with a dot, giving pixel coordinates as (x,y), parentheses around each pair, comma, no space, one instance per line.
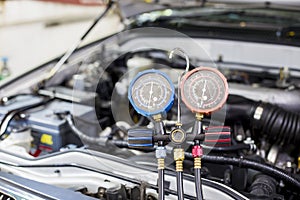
(218,136)
(197,151)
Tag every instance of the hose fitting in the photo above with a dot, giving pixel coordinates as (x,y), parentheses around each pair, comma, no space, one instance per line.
(197,163)
(160,163)
(161,154)
(197,153)
(179,157)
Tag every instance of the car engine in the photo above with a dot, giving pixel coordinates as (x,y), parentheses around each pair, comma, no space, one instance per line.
(81,132)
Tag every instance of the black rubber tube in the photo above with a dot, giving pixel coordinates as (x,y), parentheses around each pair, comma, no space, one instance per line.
(179,180)
(198,184)
(263,186)
(274,122)
(236,147)
(245,163)
(161,184)
(5,100)
(278,124)
(124,144)
(239,108)
(83,136)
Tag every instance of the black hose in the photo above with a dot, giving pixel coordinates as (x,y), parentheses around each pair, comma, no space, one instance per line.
(179,180)
(240,109)
(277,123)
(232,148)
(120,143)
(263,185)
(198,183)
(161,186)
(244,163)
(83,136)
(238,147)
(5,100)
(124,144)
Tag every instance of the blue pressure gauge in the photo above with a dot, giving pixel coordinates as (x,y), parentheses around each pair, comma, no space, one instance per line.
(151,92)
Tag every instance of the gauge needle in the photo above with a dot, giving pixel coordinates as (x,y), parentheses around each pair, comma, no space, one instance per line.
(203,97)
(150,94)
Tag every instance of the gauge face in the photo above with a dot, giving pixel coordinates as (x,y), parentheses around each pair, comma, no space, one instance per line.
(204,90)
(151,92)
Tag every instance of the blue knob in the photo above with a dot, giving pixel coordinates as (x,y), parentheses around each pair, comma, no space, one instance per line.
(140,138)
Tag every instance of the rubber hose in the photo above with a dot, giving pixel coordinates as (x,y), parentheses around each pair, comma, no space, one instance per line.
(83,136)
(236,147)
(277,123)
(161,184)
(239,108)
(179,180)
(271,120)
(6,100)
(244,163)
(198,183)
(263,185)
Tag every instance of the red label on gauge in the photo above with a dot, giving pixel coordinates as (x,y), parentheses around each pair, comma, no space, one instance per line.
(204,90)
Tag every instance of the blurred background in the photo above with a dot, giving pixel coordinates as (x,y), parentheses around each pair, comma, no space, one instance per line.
(34,32)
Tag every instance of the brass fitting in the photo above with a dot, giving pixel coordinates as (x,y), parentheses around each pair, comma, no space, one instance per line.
(179,166)
(177,136)
(160,163)
(178,124)
(298,162)
(197,163)
(199,116)
(178,154)
(157,117)
(179,157)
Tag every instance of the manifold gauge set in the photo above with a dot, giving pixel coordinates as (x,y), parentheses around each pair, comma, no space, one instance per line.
(203,90)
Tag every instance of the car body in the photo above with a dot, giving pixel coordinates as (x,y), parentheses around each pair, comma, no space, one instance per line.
(71,130)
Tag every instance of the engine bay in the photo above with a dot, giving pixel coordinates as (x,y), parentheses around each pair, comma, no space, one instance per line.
(74,132)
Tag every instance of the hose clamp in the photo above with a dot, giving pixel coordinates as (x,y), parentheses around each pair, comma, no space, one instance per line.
(258,113)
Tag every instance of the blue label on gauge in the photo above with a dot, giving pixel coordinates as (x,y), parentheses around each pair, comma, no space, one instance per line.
(151,92)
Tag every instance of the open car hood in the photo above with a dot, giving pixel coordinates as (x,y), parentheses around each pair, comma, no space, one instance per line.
(130,8)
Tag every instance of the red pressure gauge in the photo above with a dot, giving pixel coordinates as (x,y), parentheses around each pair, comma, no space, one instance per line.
(204,90)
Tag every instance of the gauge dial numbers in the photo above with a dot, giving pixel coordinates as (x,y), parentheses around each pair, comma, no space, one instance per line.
(151,92)
(204,90)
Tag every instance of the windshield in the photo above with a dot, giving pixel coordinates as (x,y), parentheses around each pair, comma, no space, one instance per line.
(247,22)
(246,15)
